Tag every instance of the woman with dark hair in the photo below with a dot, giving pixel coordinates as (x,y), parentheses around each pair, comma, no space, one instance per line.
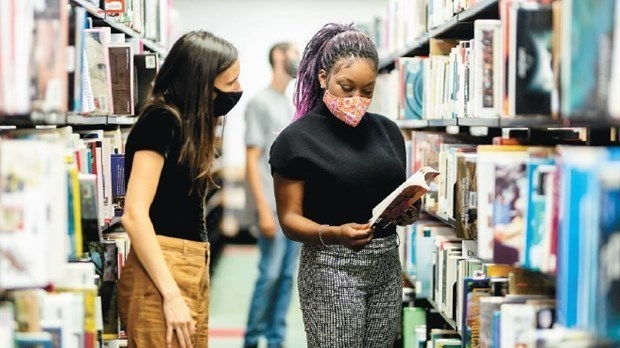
(331,166)
(164,287)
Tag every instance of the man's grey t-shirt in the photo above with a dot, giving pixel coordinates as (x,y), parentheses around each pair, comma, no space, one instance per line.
(266,115)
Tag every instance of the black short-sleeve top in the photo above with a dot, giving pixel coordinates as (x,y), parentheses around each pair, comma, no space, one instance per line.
(346,170)
(175,212)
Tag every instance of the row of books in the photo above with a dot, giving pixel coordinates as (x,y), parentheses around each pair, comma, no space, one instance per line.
(150,18)
(529,63)
(59,190)
(52,59)
(79,311)
(553,210)
(405,21)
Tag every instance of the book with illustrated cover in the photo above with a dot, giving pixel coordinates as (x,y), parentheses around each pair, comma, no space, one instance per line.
(401,199)
(487,68)
(424,240)
(501,183)
(608,248)
(96,49)
(516,318)
(473,290)
(466,210)
(33,226)
(536,229)
(48,71)
(588,36)
(412,82)
(104,255)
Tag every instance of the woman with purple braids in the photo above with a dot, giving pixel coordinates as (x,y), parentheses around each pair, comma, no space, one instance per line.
(331,166)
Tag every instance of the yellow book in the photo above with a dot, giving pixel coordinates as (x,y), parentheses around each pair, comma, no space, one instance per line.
(75,225)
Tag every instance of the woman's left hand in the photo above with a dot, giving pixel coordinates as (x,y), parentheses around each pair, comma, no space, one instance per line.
(411,215)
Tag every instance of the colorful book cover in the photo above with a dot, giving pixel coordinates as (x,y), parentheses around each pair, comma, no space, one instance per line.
(104,255)
(48,78)
(96,48)
(531,75)
(474,289)
(608,283)
(487,68)
(515,320)
(413,98)
(588,33)
(488,306)
(539,171)
(466,205)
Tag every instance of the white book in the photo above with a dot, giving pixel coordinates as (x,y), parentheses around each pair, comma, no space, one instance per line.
(401,199)
(614,81)
(516,319)
(57,308)
(7,324)
(451,281)
(106,163)
(488,68)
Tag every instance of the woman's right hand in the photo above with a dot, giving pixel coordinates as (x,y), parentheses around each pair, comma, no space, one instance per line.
(179,319)
(354,236)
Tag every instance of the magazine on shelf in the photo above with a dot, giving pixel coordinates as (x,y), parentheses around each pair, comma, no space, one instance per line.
(401,199)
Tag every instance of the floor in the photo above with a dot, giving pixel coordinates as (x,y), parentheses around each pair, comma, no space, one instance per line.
(232,285)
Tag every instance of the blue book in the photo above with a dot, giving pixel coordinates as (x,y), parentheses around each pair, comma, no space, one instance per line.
(535,228)
(414,88)
(587,33)
(497,332)
(473,290)
(118,175)
(608,249)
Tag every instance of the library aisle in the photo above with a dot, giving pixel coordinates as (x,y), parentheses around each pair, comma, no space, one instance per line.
(230,300)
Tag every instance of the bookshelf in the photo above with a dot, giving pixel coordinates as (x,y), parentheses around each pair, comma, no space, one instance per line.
(62,155)
(513,141)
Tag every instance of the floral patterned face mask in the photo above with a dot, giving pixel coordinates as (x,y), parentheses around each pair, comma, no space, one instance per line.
(349,110)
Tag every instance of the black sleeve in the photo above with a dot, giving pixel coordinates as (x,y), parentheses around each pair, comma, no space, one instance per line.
(286,156)
(397,139)
(155,131)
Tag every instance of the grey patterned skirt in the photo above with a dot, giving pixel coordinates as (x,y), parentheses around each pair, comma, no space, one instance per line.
(349,299)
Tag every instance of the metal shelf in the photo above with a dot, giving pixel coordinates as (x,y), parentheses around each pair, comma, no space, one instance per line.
(479,122)
(90,8)
(412,124)
(33,119)
(486,9)
(442,122)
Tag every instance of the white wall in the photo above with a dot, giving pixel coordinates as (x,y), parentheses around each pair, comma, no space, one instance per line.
(253,26)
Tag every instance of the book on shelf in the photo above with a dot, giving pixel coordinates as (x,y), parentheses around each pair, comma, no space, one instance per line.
(411,71)
(146,65)
(588,31)
(487,73)
(531,74)
(122,76)
(97,41)
(465,196)
(402,198)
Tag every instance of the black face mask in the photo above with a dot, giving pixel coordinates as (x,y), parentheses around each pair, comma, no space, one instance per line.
(291,66)
(225,101)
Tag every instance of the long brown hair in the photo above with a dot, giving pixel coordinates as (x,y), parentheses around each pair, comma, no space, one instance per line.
(185,85)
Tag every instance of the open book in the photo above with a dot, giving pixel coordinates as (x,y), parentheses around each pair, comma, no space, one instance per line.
(401,199)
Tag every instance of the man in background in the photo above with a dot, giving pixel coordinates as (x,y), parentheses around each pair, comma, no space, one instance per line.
(267,114)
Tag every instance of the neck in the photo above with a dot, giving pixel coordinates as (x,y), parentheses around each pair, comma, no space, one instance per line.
(280,81)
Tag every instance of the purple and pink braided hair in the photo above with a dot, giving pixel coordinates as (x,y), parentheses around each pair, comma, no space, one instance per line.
(331,43)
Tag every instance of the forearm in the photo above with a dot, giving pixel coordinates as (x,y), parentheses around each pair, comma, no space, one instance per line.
(304,230)
(144,243)
(256,185)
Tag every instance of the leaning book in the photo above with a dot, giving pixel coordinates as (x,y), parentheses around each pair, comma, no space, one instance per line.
(401,199)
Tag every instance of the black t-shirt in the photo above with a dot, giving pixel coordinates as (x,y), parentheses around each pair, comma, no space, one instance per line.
(174,211)
(346,170)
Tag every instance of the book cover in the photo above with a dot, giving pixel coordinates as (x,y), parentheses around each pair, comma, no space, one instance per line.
(487,68)
(413,99)
(424,240)
(121,70)
(96,44)
(608,282)
(500,181)
(7,324)
(77,20)
(33,225)
(614,81)
(104,255)
(146,66)
(48,78)
(515,320)
(466,210)
(531,72)
(400,200)
(588,35)
(90,209)
(488,306)
(536,231)
(474,289)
